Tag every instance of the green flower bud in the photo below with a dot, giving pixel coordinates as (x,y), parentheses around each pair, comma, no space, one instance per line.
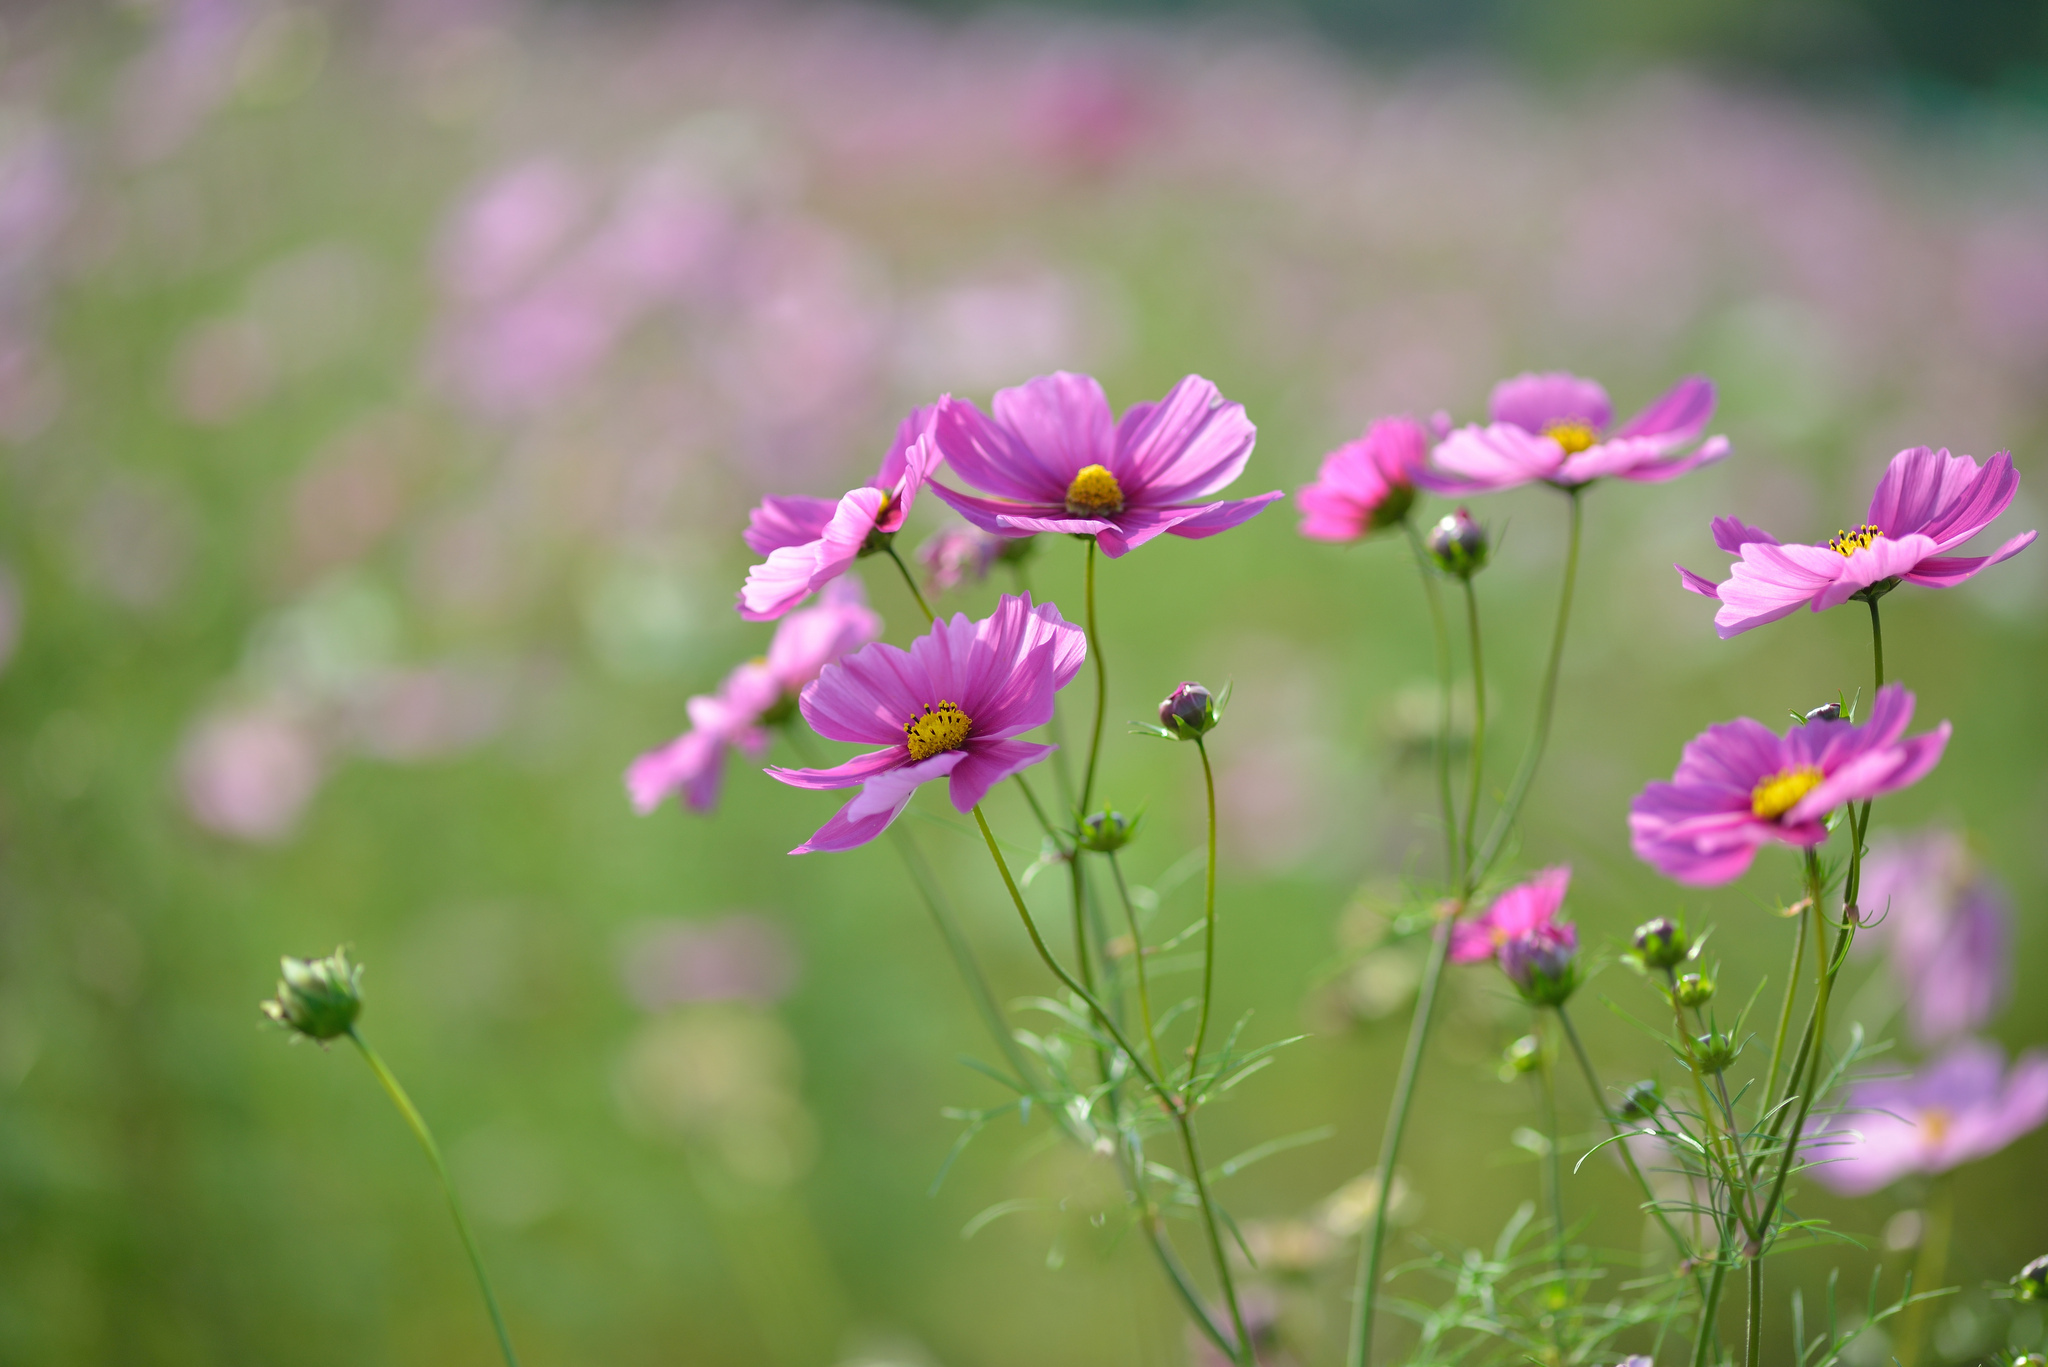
(1106,832)
(318,998)
(1641,1100)
(1661,943)
(1524,1056)
(1715,1051)
(1458,545)
(1693,989)
(1189,712)
(2031,1283)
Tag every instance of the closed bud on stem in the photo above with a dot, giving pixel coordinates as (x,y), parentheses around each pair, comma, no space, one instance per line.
(1715,1051)
(1458,545)
(2031,1282)
(1827,711)
(1524,1056)
(1641,1100)
(1543,964)
(1661,943)
(318,998)
(1105,831)
(1189,712)
(1694,990)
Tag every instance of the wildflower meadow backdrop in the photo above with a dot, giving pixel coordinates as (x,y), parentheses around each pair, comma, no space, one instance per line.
(385,390)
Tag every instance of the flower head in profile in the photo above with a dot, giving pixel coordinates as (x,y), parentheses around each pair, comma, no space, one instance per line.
(1553,427)
(1947,926)
(1367,485)
(951,706)
(1962,1106)
(755,695)
(1927,504)
(811,541)
(1523,909)
(1739,786)
(1057,460)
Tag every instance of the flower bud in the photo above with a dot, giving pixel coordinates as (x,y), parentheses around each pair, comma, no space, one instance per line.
(1458,545)
(1661,943)
(1189,712)
(1106,832)
(1827,711)
(1543,964)
(1525,1055)
(1694,990)
(318,998)
(1715,1051)
(1640,1100)
(2031,1283)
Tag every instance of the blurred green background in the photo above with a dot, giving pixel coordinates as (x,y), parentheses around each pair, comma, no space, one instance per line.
(382,389)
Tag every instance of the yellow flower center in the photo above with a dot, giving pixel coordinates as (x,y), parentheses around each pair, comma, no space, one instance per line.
(1848,543)
(1574,437)
(1094,493)
(1935,1120)
(936,730)
(1775,796)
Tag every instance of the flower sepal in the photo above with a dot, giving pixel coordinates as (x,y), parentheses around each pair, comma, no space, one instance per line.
(318,998)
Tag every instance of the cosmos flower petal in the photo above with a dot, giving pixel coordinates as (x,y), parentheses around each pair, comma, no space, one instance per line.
(988,455)
(1677,416)
(1669,468)
(1496,457)
(1922,490)
(791,573)
(1695,583)
(1942,572)
(1535,400)
(875,808)
(863,698)
(1187,446)
(779,521)
(1221,517)
(1883,558)
(689,767)
(1063,421)
(1731,534)
(853,773)
(987,763)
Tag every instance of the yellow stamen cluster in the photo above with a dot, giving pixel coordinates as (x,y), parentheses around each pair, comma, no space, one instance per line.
(1779,794)
(1936,1120)
(1574,437)
(1850,542)
(1094,493)
(936,730)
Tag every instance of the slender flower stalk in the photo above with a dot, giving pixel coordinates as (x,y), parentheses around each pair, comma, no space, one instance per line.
(1208,922)
(1546,1089)
(1476,781)
(1931,1266)
(1441,632)
(1628,1158)
(1703,1341)
(1116,868)
(910,582)
(426,1138)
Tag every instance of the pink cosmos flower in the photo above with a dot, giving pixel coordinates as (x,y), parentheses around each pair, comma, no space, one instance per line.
(692,766)
(954,555)
(1740,785)
(1927,504)
(1553,427)
(1367,484)
(951,706)
(1961,1107)
(1946,923)
(1523,909)
(1059,461)
(811,541)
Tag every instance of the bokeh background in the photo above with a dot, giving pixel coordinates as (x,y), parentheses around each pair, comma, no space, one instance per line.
(382,389)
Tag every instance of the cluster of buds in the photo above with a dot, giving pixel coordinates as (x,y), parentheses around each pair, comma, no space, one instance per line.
(1106,832)
(1458,545)
(318,998)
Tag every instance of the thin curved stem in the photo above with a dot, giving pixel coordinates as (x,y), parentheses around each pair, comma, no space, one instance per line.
(910,582)
(1656,1209)
(1476,780)
(426,1138)
(1546,705)
(1876,641)
(1244,1350)
(1441,632)
(1101,685)
(1546,1087)
(1138,957)
(1830,966)
(1769,1093)
(1208,922)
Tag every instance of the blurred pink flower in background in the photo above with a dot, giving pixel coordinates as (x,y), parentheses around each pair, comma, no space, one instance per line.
(1962,1106)
(249,772)
(1553,427)
(168,92)
(1946,926)
(1368,484)
(955,555)
(741,957)
(1927,503)
(1524,910)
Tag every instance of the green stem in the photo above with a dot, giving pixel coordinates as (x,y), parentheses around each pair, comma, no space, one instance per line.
(1208,923)
(1718,1152)
(1138,957)
(1546,704)
(1756,1312)
(1703,1341)
(1546,1087)
(1471,827)
(1366,1298)
(1769,1094)
(1244,1350)
(426,1138)
(910,582)
(1876,641)
(1937,1217)
(1427,570)
(1571,1034)
(1816,1057)
(1101,685)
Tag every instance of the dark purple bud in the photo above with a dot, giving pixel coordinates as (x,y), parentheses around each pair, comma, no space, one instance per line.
(1458,545)
(1189,712)
(1543,964)
(1830,711)
(2032,1282)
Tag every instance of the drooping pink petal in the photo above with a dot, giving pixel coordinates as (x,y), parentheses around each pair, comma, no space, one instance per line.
(1694,583)
(1665,469)
(808,640)
(853,773)
(1485,459)
(690,767)
(988,763)
(792,573)
(779,521)
(875,808)
(1221,517)
(1943,572)
(1772,581)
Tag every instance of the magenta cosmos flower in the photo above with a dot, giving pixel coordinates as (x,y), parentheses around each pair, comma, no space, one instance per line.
(1524,909)
(1961,1107)
(1553,427)
(951,706)
(1057,460)
(757,693)
(1368,484)
(811,541)
(1927,504)
(1947,926)
(1740,785)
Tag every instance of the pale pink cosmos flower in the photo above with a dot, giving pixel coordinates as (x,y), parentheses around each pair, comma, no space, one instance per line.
(736,717)
(1368,484)
(1553,427)
(1963,1106)
(811,541)
(1523,909)
(1927,504)
(952,706)
(1947,926)
(1740,786)
(954,555)
(1058,460)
